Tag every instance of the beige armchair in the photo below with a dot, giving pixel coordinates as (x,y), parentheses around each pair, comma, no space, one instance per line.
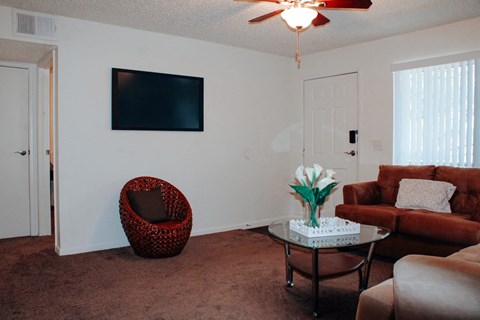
(427,287)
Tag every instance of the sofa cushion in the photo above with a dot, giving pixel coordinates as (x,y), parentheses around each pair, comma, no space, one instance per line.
(148,204)
(449,227)
(471,254)
(472,249)
(465,257)
(436,288)
(425,194)
(466,198)
(389,177)
(375,215)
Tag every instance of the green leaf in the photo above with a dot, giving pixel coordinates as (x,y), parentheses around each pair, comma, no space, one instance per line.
(305,192)
(321,195)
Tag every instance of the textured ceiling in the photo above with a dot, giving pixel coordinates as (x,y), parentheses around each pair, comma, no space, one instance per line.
(225,21)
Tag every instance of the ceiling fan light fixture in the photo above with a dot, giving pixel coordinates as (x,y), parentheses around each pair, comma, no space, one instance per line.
(298,18)
(300,14)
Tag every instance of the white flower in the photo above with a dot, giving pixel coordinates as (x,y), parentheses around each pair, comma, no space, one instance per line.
(299,174)
(310,172)
(330,173)
(313,174)
(318,170)
(327,180)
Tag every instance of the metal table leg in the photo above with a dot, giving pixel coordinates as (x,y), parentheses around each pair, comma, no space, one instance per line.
(315,285)
(367,265)
(288,268)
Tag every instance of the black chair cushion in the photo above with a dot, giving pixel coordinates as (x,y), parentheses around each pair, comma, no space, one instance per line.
(148,205)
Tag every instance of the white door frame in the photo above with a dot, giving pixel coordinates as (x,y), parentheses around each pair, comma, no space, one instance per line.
(39,140)
(32,138)
(44,147)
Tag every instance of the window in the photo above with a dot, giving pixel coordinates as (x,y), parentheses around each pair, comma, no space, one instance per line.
(437,115)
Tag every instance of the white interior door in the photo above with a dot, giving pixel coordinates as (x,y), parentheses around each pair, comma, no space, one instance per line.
(330,113)
(14,153)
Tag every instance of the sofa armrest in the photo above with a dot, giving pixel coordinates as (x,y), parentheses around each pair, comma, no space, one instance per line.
(361,193)
(476,216)
(427,287)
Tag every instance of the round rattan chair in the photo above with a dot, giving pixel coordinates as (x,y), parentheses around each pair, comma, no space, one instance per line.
(156,240)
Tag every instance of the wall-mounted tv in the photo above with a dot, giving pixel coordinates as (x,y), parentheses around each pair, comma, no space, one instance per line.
(156,101)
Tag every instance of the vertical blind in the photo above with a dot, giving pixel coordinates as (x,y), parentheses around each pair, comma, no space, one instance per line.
(437,116)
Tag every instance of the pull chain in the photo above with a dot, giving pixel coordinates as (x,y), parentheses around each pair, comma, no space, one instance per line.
(298,58)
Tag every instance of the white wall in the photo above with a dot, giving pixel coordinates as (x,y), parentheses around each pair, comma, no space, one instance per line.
(234,173)
(231,173)
(373,60)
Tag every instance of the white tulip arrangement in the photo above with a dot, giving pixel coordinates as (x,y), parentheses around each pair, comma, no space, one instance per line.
(313,189)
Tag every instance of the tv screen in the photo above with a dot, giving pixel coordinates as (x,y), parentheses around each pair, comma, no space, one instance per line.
(156,101)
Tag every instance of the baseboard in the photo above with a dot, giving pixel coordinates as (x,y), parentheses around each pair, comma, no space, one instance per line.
(76,250)
(243,226)
(105,246)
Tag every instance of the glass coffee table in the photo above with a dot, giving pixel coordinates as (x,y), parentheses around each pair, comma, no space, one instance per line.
(334,263)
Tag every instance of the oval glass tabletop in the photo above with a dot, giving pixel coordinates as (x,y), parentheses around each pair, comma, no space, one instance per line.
(367,234)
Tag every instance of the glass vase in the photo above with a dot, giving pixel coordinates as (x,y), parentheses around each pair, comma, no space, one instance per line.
(312,215)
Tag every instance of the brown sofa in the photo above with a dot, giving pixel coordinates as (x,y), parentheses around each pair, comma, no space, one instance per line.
(417,231)
(426,287)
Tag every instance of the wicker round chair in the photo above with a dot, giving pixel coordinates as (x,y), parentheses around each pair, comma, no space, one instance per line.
(159,240)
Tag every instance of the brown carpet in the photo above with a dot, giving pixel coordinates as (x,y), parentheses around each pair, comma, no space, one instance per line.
(230,275)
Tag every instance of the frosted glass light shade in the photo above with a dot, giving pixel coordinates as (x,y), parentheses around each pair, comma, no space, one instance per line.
(299,17)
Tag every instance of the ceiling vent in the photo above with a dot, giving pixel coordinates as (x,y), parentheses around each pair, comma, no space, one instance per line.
(27,24)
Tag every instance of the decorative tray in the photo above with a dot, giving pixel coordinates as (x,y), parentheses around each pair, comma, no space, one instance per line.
(326,242)
(331,226)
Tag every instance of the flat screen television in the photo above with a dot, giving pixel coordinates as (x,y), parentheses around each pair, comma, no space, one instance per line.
(156,101)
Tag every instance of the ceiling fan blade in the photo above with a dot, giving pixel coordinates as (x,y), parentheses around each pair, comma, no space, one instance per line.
(266,16)
(320,20)
(345,4)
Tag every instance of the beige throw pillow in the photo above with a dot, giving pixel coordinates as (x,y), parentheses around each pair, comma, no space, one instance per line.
(425,194)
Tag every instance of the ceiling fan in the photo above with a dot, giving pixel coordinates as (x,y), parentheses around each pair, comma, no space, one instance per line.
(300,14)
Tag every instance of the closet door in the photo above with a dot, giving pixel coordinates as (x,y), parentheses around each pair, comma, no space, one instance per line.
(14,153)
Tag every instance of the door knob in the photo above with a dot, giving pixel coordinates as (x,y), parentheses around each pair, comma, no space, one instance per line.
(352,153)
(22,153)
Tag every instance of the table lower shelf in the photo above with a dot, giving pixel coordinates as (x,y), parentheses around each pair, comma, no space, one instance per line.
(330,265)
